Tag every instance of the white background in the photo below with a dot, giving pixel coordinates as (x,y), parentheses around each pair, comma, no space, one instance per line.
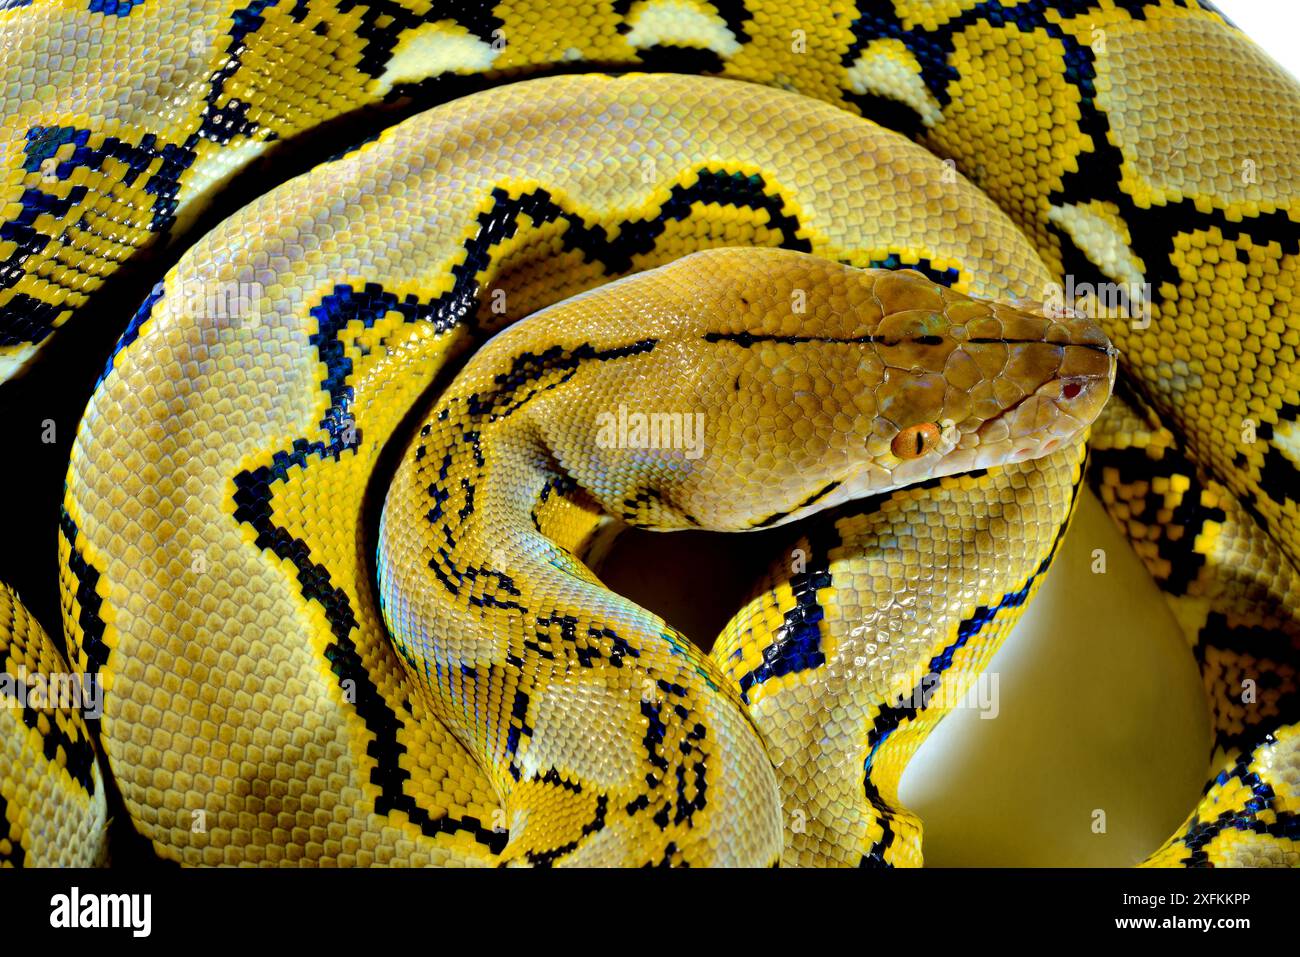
(1273,24)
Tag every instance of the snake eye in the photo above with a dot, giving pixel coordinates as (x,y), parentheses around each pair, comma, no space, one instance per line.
(915,440)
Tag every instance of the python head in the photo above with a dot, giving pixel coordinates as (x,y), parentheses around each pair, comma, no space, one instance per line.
(969,384)
(813,383)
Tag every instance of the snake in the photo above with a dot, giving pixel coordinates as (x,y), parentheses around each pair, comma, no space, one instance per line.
(329,541)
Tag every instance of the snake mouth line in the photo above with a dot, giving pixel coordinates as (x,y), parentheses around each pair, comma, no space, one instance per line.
(1079,382)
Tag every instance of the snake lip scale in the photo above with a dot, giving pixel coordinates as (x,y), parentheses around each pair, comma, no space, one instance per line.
(335,506)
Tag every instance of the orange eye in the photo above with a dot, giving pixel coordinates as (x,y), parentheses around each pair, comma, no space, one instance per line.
(915,440)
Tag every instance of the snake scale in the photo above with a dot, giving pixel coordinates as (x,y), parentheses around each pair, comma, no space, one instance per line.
(526,308)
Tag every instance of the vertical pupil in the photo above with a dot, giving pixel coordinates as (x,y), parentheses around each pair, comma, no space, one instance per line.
(920,441)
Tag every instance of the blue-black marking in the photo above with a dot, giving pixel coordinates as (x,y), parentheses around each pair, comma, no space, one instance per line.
(16,855)
(892,717)
(78,751)
(27,319)
(1199,834)
(1098,176)
(253,488)
(797,645)
(114,8)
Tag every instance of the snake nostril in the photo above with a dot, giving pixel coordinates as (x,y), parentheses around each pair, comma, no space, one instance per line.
(1071,389)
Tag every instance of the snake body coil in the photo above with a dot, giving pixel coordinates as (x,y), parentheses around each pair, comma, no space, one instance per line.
(217,542)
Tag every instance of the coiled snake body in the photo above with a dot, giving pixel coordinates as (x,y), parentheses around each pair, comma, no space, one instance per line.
(276,694)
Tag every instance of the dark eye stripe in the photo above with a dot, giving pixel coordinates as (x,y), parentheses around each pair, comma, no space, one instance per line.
(747,339)
(1039,342)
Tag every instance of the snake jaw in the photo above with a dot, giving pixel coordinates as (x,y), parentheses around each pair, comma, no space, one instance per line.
(1055,414)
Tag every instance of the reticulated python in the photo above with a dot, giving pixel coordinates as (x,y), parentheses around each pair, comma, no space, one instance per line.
(222,514)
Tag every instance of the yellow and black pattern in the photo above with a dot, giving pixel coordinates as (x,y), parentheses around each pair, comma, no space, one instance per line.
(194,509)
(1232,592)
(353,358)
(522,646)
(834,645)
(52,805)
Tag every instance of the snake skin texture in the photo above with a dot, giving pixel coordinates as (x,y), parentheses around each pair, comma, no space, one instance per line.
(711,331)
(217,541)
(52,802)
